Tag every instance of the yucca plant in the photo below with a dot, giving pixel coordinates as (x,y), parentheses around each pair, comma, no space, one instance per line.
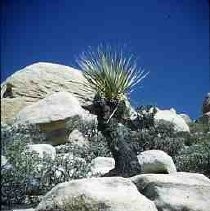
(109,73)
(112,75)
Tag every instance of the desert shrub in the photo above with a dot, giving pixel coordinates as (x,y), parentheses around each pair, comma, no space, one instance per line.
(29,176)
(96,144)
(145,116)
(78,203)
(200,132)
(87,128)
(63,168)
(190,151)
(84,203)
(195,156)
(16,175)
(160,137)
(96,147)
(16,132)
(200,127)
(21,165)
(26,174)
(148,135)
(146,141)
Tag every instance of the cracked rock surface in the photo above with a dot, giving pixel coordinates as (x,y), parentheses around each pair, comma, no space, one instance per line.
(175,192)
(38,81)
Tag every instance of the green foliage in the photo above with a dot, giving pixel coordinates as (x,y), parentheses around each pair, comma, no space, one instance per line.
(160,137)
(78,203)
(96,147)
(29,175)
(195,156)
(23,133)
(64,168)
(26,174)
(87,128)
(21,166)
(190,151)
(16,175)
(110,73)
(145,117)
(199,127)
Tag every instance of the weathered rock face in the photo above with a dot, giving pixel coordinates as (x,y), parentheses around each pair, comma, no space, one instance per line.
(186,118)
(37,81)
(102,165)
(206,104)
(172,117)
(156,161)
(113,194)
(175,192)
(56,107)
(51,114)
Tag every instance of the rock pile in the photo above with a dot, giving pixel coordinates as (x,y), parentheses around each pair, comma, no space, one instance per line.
(164,192)
(51,115)
(38,81)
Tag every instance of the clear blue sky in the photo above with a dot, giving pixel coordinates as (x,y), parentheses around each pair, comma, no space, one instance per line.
(170,38)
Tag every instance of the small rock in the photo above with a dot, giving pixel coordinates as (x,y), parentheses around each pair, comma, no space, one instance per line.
(172,117)
(5,164)
(156,161)
(3,160)
(77,138)
(102,165)
(42,149)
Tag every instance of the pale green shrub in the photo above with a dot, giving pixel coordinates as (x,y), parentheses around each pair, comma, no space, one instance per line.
(79,203)
(26,174)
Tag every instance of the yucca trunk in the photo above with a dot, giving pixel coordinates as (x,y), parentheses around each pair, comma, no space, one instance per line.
(126,161)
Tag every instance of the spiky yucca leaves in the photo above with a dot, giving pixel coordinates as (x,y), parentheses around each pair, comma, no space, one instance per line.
(110,73)
(112,76)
